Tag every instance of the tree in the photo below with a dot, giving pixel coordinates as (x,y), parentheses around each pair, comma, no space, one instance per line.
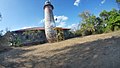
(117,0)
(104,15)
(87,24)
(5,37)
(99,26)
(106,22)
(84,15)
(114,20)
(110,20)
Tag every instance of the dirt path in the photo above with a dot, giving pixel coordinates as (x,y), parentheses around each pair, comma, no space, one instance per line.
(96,51)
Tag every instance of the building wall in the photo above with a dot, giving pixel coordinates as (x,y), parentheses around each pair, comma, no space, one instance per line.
(28,37)
(32,37)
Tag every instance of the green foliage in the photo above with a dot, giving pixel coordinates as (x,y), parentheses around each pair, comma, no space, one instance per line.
(31,34)
(87,29)
(87,25)
(99,26)
(117,1)
(59,35)
(77,33)
(4,38)
(107,22)
(1,33)
(14,40)
(113,20)
(104,15)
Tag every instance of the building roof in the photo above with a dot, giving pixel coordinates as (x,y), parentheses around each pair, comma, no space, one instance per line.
(37,28)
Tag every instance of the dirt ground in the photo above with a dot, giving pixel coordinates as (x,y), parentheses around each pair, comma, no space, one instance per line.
(95,51)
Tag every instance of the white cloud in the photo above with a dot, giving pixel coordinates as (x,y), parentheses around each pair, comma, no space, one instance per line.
(73,26)
(76,3)
(103,1)
(62,24)
(27,27)
(59,19)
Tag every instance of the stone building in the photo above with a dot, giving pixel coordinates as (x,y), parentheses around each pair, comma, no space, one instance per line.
(35,35)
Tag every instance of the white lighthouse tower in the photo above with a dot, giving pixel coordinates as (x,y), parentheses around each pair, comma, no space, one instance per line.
(49,22)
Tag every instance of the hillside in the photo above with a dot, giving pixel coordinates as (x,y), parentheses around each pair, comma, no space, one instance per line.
(95,51)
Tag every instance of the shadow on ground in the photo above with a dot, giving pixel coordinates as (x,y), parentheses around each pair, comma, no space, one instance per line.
(97,54)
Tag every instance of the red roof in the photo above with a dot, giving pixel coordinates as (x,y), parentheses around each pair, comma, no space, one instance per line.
(37,28)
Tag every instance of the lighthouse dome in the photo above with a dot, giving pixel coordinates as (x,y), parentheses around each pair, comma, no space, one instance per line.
(47,3)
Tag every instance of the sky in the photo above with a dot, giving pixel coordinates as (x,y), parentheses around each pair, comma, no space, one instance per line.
(20,14)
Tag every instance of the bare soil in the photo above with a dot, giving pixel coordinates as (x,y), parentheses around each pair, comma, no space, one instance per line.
(95,51)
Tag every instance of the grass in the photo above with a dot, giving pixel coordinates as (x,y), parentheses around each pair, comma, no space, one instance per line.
(99,51)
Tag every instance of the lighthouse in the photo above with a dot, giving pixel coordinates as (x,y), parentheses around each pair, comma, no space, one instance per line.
(49,22)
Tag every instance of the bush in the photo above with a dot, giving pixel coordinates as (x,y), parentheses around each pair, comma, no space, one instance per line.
(77,33)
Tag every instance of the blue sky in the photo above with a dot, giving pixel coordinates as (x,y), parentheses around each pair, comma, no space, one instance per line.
(18,14)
